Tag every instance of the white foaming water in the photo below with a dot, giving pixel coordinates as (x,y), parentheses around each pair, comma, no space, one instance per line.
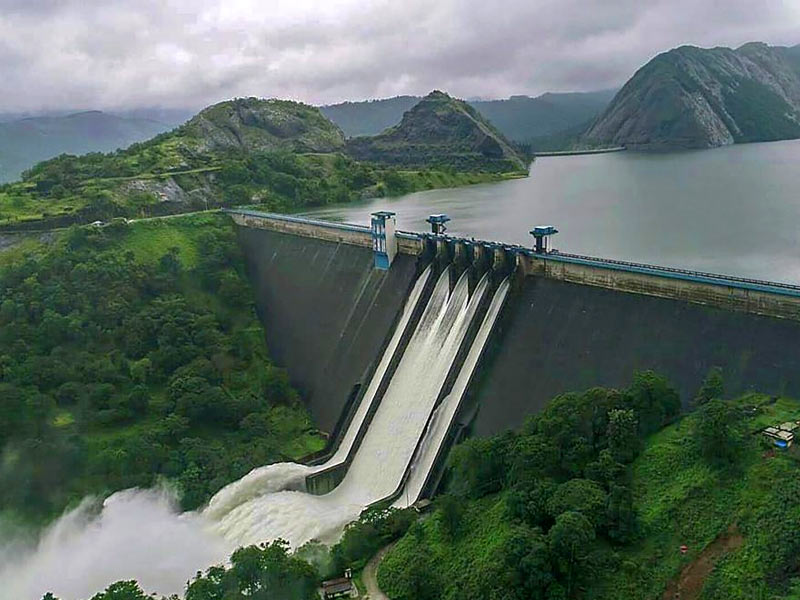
(446,411)
(139,534)
(386,449)
(287,476)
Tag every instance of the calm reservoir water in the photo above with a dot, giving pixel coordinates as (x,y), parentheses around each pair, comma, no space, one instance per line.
(733,210)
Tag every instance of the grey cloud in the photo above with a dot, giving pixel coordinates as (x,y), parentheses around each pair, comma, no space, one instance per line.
(93,53)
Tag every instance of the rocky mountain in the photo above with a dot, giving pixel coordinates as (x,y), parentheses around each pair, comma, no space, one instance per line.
(519,118)
(24,142)
(440,130)
(253,124)
(693,97)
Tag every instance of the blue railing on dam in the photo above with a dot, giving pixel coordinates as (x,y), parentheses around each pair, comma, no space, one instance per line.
(770,287)
(757,285)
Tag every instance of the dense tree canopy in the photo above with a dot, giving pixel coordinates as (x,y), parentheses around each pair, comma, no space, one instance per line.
(565,483)
(121,362)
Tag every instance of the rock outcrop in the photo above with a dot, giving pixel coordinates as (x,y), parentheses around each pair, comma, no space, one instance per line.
(699,98)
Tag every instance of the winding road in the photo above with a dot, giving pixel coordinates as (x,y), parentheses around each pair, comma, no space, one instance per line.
(370,575)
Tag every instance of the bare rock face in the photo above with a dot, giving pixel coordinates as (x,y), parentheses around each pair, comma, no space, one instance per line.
(440,131)
(699,98)
(257,125)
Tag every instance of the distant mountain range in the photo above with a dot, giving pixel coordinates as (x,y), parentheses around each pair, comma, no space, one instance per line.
(700,98)
(519,118)
(25,142)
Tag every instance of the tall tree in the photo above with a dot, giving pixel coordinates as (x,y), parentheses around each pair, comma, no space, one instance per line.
(713,387)
(716,432)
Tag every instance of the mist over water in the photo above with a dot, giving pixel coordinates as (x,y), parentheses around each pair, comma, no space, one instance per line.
(138,534)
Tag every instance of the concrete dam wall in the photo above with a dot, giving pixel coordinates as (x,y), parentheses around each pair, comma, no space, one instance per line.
(571,322)
(326,311)
(558,337)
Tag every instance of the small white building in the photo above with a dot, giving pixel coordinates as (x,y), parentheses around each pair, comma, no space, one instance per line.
(783,435)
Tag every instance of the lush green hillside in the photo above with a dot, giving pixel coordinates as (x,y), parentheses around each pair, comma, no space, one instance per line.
(693,97)
(738,519)
(255,125)
(575,505)
(25,142)
(277,154)
(133,352)
(591,499)
(440,131)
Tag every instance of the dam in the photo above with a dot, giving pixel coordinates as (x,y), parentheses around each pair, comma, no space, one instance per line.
(400,342)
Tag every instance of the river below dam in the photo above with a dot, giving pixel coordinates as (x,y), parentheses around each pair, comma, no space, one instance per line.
(732,210)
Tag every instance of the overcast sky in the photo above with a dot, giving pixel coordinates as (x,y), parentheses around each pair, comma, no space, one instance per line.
(57,54)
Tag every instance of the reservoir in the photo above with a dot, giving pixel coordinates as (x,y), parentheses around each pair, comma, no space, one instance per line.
(732,210)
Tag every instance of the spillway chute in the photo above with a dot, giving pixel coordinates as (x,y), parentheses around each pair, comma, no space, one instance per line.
(394,439)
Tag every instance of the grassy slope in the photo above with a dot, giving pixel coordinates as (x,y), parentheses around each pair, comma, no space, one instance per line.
(470,556)
(20,203)
(679,500)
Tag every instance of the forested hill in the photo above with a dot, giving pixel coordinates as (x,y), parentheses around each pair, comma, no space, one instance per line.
(440,130)
(255,125)
(519,118)
(277,154)
(693,97)
(523,119)
(25,142)
(595,497)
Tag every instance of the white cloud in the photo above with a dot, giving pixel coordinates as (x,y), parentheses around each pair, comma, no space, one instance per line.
(92,53)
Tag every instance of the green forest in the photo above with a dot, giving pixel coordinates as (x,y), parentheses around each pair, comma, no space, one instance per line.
(71,189)
(130,353)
